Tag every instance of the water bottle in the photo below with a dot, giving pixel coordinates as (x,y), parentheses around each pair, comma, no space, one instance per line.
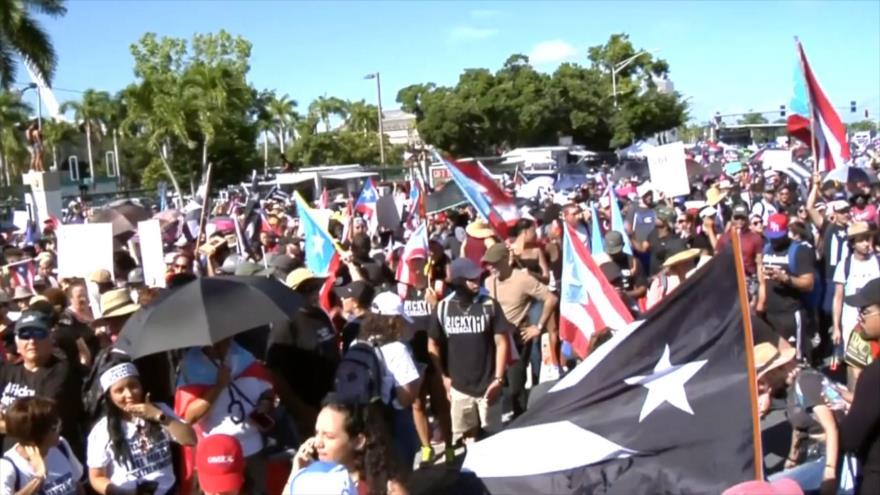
(837,356)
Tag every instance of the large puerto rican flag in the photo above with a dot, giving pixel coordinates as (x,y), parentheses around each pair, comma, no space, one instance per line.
(589,303)
(322,257)
(827,134)
(366,205)
(481,190)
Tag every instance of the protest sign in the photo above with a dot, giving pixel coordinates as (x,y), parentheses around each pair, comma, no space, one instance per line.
(776,159)
(20,219)
(152,258)
(84,248)
(668,170)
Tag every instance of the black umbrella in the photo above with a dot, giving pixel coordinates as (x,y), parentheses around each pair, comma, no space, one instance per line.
(124,217)
(206,311)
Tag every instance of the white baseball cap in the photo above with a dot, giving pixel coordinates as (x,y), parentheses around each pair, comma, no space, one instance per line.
(389,304)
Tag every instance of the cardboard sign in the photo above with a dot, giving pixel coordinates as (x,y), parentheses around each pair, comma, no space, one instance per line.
(668,170)
(776,159)
(152,257)
(84,248)
(20,219)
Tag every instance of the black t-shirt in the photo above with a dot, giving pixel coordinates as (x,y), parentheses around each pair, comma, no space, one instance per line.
(835,247)
(55,381)
(860,430)
(305,354)
(810,389)
(701,241)
(783,298)
(469,327)
(660,246)
(417,308)
(68,331)
(628,279)
(350,331)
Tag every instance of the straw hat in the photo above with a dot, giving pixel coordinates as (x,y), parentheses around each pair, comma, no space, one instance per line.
(300,275)
(768,357)
(21,293)
(117,302)
(715,196)
(858,228)
(681,257)
(479,229)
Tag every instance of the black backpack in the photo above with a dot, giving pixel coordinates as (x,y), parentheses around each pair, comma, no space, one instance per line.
(359,374)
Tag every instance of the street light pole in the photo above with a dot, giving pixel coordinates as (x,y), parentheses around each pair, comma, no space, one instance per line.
(36,89)
(619,67)
(381,126)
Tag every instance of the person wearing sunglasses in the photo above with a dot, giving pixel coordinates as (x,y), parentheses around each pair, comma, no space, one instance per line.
(41,461)
(42,373)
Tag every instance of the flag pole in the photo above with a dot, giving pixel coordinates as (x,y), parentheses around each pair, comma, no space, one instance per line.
(750,357)
(801,57)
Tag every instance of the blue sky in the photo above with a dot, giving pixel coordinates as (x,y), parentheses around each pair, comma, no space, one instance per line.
(731,56)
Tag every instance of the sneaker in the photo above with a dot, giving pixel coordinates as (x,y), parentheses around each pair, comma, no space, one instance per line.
(427,454)
(449,455)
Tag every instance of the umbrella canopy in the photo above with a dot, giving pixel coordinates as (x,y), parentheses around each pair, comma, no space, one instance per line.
(206,311)
(123,216)
(848,175)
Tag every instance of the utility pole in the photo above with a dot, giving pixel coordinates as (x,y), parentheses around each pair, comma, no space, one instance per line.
(381,127)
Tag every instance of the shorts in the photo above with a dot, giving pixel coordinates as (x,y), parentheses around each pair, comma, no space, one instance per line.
(470,413)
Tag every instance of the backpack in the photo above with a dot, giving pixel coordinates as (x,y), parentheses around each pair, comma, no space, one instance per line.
(17,483)
(359,374)
(813,298)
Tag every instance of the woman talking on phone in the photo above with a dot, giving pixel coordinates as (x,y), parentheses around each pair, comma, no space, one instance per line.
(129,449)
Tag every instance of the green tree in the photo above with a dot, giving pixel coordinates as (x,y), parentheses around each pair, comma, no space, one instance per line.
(55,133)
(283,116)
(22,36)
(326,107)
(13,119)
(752,118)
(361,117)
(88,113)
(862,126)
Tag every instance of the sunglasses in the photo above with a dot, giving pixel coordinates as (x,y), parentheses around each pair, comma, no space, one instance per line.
(756,223)
(32,333)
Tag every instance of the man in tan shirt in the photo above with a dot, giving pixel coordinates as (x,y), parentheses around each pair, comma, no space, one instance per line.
(516,291)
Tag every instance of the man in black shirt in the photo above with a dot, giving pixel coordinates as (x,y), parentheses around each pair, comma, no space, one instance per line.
(43,373)
(476,334)
(860,429)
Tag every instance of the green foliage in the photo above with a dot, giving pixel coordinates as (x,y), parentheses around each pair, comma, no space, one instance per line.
(752,118)
(861,126)
(22,37)
(486,112)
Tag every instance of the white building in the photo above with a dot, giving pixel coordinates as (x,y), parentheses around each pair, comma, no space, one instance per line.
(400,127)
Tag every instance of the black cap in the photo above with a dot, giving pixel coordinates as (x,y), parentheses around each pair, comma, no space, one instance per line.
(32,319)
(360,290)
(866,296)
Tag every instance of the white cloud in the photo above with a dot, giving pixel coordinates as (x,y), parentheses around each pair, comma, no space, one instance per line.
(484,13)
(469,33)
(552,51)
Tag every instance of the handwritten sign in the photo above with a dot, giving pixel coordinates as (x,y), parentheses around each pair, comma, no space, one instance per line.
(668,170)
(152,258)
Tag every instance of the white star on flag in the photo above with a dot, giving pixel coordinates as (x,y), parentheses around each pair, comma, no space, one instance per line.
(666,384)
(318,243)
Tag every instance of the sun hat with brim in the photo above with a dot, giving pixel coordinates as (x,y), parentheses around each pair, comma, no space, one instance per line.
(299,276)
(768,357)
(681,257)
(479,230)
(858,228)
(715,196)
(21,293)
(116,303)
(868,295)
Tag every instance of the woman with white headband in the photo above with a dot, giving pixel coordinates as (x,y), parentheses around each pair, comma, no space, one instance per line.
(129,449)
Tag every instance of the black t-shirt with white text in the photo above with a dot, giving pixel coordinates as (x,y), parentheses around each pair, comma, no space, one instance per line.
(469,327)
(417,308)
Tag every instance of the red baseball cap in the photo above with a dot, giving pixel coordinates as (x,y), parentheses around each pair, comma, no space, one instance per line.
(777,226)
(220,464)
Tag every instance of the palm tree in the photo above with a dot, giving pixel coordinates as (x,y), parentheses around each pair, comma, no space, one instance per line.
(22,35)
(87,113)
(325,107)
(207,92)
(282,114)
(362,117)
(13,116)
(56,132)
(113,117)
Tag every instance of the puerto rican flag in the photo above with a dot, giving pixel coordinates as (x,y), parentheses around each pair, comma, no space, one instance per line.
(366,205)
(588,302)
(416,203)
(322,257)
(198,376)
(22,274)
(481,190)
(416,247)
(827,135)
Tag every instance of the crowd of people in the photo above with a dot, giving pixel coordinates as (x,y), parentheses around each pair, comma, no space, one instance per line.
(374,377)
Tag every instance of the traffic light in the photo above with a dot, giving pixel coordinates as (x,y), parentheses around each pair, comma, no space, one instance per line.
(866,114)
(717,119)
(852,106)
(782,110)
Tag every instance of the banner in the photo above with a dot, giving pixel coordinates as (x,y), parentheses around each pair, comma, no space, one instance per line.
(668,170)
(84,248)
(152,259)
(776,159)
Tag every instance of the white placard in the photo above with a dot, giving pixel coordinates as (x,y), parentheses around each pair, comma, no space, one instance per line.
(776,159)
(84,248)
(152,257)
(20,219)
(668,170)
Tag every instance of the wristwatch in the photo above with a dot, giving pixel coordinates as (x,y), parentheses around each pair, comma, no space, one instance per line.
(499,379)
(161,418)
